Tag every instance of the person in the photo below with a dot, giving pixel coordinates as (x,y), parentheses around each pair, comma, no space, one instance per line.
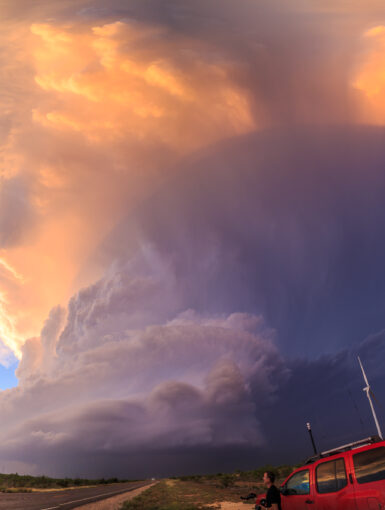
(273,496)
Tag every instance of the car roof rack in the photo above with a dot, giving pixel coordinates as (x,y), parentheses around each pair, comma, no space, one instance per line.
(344,448)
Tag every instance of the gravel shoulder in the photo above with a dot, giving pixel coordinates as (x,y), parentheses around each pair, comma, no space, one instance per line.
(115,503)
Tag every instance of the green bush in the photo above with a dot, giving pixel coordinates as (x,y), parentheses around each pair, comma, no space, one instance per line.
(226,480)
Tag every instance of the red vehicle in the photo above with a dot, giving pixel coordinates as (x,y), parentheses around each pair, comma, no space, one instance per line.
(351,477)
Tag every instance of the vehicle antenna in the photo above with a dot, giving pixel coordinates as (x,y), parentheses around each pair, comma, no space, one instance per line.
(357,410)
(312,438)
(369,392)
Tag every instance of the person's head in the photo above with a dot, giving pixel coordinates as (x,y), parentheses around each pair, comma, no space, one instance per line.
(268,478)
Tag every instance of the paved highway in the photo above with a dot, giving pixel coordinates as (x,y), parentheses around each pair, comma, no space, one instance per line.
(64,500)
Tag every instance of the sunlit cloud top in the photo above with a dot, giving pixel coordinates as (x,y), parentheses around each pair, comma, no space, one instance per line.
(130,80)
(370,76)
(103,103)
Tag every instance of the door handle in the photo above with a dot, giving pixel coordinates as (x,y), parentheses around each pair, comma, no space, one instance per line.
(309,501)
(350,478)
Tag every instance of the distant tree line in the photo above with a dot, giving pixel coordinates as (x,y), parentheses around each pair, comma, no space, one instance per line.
(15,480)
(229,479)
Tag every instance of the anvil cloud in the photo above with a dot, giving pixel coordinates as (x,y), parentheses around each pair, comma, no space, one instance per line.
(191,220)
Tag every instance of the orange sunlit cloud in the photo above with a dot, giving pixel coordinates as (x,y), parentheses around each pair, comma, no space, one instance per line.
(88,101)
(99,112)
(370,77)
(110,89)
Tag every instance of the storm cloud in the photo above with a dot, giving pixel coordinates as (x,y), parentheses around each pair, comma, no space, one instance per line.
(191,231)
(116,380)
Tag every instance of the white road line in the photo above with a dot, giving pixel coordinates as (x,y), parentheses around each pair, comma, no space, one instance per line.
(92,497)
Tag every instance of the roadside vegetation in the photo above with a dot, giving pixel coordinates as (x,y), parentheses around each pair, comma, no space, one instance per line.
(203,492)
(25,483)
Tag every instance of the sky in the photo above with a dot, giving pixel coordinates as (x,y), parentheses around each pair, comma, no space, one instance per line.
(191,232)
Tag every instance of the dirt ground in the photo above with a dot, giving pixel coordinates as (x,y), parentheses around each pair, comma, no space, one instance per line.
(115,502)
(228,505)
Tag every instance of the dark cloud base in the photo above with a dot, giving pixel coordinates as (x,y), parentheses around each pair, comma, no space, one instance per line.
(326,391)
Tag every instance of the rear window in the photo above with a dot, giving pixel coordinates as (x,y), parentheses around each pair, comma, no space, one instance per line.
(369,466)
(331,476)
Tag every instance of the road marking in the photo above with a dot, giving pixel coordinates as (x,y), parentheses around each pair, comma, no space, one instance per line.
(92,497)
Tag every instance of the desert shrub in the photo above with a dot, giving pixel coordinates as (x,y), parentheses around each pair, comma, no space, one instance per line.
(226,480)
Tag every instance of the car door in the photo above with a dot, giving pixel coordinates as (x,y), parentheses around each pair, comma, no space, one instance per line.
(368,468)
(296,492)
(333,489)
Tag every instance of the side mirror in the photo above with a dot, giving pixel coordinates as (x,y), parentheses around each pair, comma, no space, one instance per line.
(287,492)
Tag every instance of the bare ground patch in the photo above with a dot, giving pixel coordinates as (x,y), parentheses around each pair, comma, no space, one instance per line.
(116,502)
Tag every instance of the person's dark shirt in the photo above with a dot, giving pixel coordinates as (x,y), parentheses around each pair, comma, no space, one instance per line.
(273,496)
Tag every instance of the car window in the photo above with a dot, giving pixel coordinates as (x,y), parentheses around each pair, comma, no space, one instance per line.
(369,466)
(298,483)
(331,476)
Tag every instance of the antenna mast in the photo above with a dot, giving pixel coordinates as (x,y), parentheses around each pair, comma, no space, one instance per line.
(308,426)
(368,391)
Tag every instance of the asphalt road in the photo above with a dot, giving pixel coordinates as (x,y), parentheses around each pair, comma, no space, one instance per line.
(64,500)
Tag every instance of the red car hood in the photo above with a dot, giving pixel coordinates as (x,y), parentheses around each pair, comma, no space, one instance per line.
(259,497)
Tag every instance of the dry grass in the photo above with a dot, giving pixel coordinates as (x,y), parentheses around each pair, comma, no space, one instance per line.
(15,489)
(34,489)
(192,495)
